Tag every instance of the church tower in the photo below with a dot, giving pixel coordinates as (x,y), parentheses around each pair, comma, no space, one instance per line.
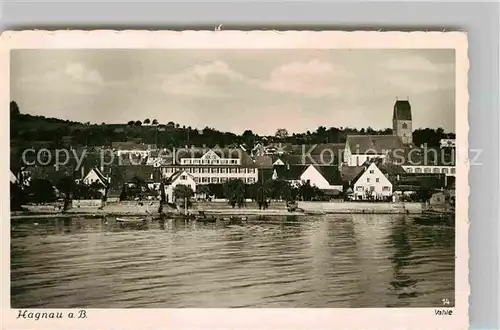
(401,121)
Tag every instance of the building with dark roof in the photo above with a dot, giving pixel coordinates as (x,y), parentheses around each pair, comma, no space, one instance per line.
(360,148)
(322,177)
(214,165)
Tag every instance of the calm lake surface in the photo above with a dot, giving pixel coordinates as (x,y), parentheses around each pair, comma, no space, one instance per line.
(322,261)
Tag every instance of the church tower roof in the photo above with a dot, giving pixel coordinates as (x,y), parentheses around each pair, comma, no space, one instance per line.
(402,110)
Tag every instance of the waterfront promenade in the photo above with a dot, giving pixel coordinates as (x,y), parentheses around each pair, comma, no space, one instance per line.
(276,208)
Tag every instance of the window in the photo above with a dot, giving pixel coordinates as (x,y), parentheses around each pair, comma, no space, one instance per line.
(445,170)
(452,170)
(215,170)
(206,170)
(222,180)
(196,170)
(386,188)
(418,170)
(223,170)
(377,180)
(197,180)
(250,180)
(242,170)
(183,177)
(214,180)
(427,170)
(250,170)
(404,126)
(204,180)
(367,179)
(359,188)
(372,171)
(234,161)
(409,170)
(233,170)
(435,170)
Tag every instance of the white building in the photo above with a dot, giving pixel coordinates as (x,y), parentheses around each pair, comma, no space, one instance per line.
(178,178)
(132,149)
(213,166)
(95,175)
(322,177)
(447,143)
(428,169)
(372,183)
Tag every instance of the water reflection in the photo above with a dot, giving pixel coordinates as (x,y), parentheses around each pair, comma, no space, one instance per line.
(403,285)
(293,261)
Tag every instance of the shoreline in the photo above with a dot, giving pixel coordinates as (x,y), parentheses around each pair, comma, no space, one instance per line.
(227,211)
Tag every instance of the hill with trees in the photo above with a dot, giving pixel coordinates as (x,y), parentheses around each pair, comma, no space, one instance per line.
(27,131)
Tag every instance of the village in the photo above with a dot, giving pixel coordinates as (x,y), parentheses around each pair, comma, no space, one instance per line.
(370,168)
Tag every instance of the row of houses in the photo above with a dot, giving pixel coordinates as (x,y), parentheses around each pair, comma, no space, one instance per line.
(333,168)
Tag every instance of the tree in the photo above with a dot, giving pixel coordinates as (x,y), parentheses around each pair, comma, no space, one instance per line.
(66,186)
(131,123)
(234,191)
(184,193)
(281,133)
(147,121)
(138,123)
(203,190)
(123,194)
(155,122)
(249,139)
(16,197)
(41,191)
(96,188)
(14,109)
(306,191)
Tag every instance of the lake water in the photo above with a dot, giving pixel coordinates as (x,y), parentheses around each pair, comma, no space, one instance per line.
(322,261)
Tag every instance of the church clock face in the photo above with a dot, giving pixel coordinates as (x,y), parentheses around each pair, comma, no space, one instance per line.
(405,126)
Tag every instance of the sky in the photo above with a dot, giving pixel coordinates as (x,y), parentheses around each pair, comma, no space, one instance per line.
(235,90)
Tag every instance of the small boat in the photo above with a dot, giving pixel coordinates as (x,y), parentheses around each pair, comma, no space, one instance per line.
(202,217)
(138,222)
(233,220)
(130,220)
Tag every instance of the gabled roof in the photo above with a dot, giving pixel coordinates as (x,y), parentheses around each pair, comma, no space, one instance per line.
(124,174)
(263,161)
(101,176)
(331,174)
(349,173)
(175,176)
(292,172)
(373,144)
(402,110)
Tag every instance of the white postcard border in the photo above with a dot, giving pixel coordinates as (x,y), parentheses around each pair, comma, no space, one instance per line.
(366,318)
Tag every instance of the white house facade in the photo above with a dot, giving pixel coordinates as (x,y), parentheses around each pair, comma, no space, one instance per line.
(427,169)
(372,184)
(178,178)
(95,175)
(316,178)
(214,167)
